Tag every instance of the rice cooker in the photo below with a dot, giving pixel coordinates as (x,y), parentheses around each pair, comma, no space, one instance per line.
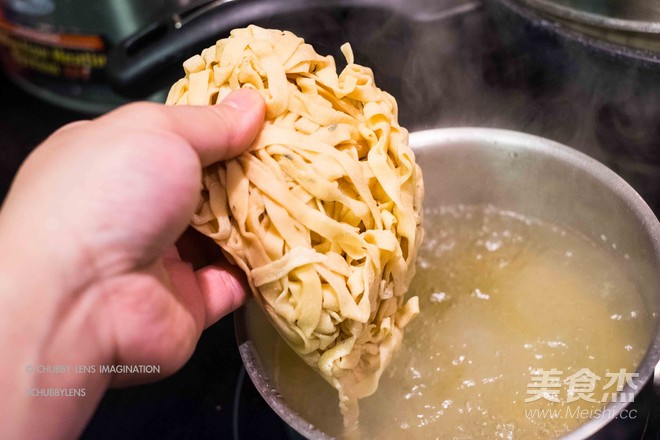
(59,49)
(93,55)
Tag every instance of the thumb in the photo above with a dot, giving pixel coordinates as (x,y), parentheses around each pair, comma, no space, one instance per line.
(215,132)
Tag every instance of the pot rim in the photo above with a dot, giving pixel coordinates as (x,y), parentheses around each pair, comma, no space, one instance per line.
(577,15)
(566,30)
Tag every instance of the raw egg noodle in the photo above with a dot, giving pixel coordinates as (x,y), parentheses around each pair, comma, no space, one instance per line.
(324,211)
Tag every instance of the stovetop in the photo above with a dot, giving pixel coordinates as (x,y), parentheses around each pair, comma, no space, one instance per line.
(461,71)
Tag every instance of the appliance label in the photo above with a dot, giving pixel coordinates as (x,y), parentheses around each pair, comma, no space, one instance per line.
(71,56)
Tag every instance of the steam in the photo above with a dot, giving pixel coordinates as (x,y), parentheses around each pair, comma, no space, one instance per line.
(473,68)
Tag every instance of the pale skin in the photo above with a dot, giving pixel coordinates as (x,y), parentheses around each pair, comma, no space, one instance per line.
(89,271)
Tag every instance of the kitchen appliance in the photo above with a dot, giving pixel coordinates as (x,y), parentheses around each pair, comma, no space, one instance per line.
(94,56)
(58,49)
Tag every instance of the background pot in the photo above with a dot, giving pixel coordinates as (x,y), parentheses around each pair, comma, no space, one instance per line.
(614,86)
(58,49)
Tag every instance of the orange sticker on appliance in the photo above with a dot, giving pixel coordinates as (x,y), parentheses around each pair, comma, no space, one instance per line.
(64,55)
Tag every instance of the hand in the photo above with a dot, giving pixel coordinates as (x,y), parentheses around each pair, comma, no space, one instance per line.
(89,273)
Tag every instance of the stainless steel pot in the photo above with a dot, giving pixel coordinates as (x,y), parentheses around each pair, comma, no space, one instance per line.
(631,23)
(514,171)
(640,16)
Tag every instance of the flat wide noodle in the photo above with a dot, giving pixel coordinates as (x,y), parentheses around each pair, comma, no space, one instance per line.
(324,212)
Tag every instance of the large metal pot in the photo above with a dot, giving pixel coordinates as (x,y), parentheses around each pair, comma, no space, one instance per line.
(513,171)
(634,23)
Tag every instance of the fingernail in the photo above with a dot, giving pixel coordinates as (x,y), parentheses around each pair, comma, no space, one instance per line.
(241,100)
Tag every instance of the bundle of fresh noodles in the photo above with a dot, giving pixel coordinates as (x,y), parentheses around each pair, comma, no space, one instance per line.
(323,213)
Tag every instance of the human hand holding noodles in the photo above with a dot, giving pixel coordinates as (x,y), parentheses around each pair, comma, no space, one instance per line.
(324,211)
(89,274)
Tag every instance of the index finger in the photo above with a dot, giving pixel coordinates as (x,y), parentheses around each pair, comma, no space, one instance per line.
(215,132)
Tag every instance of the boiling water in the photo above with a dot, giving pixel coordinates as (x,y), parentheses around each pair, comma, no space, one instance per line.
(505,300)
(515,314)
